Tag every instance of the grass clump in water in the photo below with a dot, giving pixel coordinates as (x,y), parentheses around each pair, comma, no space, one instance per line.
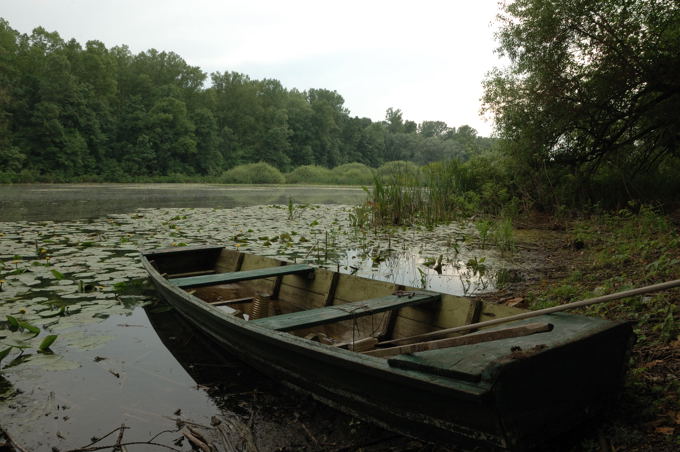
(403,194)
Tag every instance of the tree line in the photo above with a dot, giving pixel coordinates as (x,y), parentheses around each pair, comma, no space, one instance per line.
(68,110)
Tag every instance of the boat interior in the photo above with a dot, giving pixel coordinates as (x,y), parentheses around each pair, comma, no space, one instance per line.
(333,308)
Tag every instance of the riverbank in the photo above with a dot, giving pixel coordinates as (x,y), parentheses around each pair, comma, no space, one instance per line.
(603,254)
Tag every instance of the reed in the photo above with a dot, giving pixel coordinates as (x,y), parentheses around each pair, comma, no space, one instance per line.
(436,193)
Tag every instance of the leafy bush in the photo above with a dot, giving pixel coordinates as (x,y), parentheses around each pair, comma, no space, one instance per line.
(352,174)
(310,174)
(253,173)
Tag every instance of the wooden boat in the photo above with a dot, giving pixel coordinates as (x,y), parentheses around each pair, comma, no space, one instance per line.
(340,338)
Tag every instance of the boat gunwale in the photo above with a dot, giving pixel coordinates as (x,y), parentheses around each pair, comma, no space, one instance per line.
(306,346)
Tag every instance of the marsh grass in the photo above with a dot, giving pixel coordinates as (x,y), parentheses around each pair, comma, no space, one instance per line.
(404,195)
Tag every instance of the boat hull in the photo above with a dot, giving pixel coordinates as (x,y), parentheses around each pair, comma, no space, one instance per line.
(526,402)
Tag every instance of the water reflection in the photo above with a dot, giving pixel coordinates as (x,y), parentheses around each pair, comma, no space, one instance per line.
(58,202)
(413,268)
(132,379)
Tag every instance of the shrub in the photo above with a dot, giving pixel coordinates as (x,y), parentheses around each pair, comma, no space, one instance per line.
(353,174)
(253,173)
(310,174)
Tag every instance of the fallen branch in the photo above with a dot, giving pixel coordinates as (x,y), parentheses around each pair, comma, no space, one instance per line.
(13,443)
(195,439)
(119,445)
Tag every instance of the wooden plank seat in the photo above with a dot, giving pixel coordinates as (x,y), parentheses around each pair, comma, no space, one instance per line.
(346,311)
(245,275)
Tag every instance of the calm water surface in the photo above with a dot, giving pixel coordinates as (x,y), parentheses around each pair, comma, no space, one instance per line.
(123,358)
(60,202)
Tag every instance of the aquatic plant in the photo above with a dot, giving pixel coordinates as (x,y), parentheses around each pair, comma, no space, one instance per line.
(483,227)
(503,235)
(20,336)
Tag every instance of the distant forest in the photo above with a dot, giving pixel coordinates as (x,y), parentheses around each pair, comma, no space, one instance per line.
(68,110)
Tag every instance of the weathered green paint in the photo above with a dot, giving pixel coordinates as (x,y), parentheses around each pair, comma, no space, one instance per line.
(514,405)
(226,278)
(478,361)
(319,316)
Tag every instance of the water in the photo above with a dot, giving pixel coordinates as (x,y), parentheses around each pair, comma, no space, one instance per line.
(58,202)
(121,358)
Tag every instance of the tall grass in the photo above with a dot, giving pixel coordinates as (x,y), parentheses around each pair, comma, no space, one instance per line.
(404,194)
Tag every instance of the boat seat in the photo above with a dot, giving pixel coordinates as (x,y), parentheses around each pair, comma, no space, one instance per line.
(335,313)
(245,275)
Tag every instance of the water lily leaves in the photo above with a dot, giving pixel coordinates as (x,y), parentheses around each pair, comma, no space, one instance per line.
(51,362)
(50,314)
(57,274)
(86,341)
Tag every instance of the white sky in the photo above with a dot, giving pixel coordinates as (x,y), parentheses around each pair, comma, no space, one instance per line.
(425,57)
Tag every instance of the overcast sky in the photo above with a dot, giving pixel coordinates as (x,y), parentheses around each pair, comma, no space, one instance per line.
(426,57)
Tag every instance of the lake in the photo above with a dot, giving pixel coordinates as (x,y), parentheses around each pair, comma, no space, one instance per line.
(69,259)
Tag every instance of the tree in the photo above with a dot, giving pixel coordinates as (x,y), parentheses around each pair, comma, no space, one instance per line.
(172,137)
(328,112)
(433,128)
(591,86)
(394,120)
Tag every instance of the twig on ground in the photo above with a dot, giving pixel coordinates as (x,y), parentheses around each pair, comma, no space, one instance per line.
(119,445)
(95,440)
(13,443)
(304,427)
(131,443)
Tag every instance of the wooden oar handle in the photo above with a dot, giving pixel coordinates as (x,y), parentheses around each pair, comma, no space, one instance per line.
(475,338)
(530,314)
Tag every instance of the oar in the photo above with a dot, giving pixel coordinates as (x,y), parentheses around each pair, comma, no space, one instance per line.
(530,314)
(474,338)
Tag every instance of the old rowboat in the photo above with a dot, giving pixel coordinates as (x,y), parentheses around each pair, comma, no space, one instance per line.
(337,337)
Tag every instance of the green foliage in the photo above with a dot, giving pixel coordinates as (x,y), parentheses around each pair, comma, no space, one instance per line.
(503,235)
(47,341)
(633,247)
(72,113)
(253,173)
(587,106)
(483,227)
(4,353)
(352,174)
(310,174)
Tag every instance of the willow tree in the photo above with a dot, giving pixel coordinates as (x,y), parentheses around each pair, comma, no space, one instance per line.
(592,88)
